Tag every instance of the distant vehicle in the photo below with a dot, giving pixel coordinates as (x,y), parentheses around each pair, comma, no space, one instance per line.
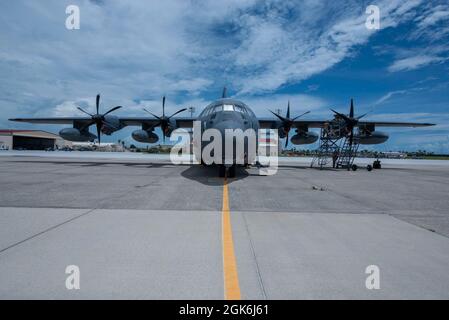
(65,149)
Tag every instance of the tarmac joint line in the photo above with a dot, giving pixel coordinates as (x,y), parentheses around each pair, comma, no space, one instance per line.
(46,230)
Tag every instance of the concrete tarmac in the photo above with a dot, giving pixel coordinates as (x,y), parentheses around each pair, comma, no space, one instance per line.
(144,228)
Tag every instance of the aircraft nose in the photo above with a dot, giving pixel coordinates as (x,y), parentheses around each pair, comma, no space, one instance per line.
(234,153)
(230,125)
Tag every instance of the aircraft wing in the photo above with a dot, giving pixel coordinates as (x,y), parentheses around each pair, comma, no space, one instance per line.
(137,121)
(125,121)
(272,123)
(394,124)
(63,120)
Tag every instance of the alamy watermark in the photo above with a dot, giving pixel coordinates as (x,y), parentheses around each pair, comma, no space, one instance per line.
(233,147)
(372,282)
(72,281)
(373,20)
(72,22)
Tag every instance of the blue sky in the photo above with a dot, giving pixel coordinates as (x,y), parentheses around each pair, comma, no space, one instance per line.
(318,54)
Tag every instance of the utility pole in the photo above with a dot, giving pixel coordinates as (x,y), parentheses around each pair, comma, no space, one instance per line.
(278,111)
(192,111)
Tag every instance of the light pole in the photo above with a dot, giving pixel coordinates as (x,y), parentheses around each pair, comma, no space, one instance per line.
(192,111)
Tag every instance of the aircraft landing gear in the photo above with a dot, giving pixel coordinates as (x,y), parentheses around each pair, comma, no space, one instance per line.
(376,164)
(231,172)
(222,170)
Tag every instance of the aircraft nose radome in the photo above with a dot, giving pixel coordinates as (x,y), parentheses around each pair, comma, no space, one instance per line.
(229,124)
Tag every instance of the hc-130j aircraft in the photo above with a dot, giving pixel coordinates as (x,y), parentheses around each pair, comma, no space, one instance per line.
(222,114)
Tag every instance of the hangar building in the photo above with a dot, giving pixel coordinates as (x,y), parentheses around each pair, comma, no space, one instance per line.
(30,140)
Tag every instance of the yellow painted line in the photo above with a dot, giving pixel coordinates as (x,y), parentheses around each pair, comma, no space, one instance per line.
(231,278)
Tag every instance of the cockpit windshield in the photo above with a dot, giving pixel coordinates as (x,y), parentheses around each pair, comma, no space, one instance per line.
(224,107)
(228,107)
(240,109)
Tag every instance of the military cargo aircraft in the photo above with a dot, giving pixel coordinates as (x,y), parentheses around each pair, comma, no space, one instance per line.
(222,114)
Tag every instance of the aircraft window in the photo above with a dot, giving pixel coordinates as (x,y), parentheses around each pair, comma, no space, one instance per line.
(250,112)
(205,112)
(240,109)
(228,107)
(218,108)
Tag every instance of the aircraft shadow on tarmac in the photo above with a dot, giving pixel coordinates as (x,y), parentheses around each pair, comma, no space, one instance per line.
(99,164)
(208,175)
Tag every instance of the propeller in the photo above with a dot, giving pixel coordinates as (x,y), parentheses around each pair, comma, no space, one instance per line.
(350,120)
(164,121)
(287,122)
(97,119)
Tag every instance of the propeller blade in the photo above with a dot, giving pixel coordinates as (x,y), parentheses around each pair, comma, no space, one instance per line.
(351,111)
(224,93)
(360,117)
(280,117)
(288,110)
(338,113)
(286,141)
(112,110)
(179,111)
(152,114)
(163,107)
(341,115)
(98,103)
(99,132)
(300,115)
(80,109)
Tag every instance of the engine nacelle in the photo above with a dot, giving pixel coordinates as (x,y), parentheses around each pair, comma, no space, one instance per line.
(145,136)
(281,132)
(73,134)
(110,125)
(304,138)
(170,128)
(375,137)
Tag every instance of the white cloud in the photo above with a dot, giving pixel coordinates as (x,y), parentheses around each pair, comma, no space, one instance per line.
(299,103)
(150,48)
(414,62)
(394,93)
(432,15)
(438,14)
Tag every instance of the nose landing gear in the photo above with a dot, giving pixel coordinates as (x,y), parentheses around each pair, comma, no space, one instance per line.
(226,171)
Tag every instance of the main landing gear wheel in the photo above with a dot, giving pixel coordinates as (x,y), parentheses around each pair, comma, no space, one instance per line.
(231,172)
(221,171)
(376,164)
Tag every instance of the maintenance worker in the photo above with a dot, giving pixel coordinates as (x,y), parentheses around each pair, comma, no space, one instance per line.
(334,158)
